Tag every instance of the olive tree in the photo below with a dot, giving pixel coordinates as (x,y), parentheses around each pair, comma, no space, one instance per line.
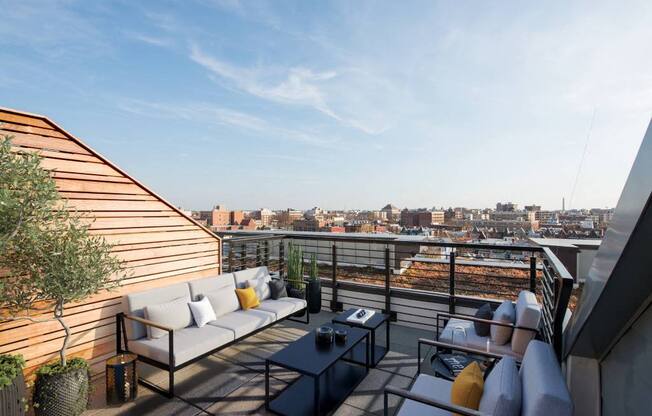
(47,256)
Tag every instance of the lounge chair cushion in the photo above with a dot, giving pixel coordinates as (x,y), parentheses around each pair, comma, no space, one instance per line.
(502,390)
(135,303)
(528,314)
(261,286)
(282,307)
(223,300)
(432,387)
(189,343)
(472,339)
(506,314)
(242,276)
(241,323)
(483,312)
(202,312)
(174,315)
(544,389)
(200,287)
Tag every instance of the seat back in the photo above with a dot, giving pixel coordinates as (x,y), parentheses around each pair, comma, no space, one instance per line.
(242,276)
(528,315)
(211,284)
(543,386)
(135,303)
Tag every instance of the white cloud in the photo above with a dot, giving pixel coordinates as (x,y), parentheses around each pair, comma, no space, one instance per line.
(149,39)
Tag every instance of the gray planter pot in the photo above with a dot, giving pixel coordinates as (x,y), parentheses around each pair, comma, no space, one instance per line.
(64,394)
(12,398)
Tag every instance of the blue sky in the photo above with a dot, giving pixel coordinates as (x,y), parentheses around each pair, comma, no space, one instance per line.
(343,104)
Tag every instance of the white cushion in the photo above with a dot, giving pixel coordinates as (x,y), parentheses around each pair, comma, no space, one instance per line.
(528,314)
(210,284)
(544,389)
(261,287)
(431,387)
(189,343)
(282,307)
(472,339)
(223,301)
(174,315)
(243,322)
(202,311)
(242,276)
(501,395)
(504,313)
(135,303)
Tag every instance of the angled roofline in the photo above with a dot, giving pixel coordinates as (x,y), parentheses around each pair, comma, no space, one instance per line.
(111,164)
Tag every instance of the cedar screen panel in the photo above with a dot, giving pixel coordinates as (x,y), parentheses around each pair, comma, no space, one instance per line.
(159,244)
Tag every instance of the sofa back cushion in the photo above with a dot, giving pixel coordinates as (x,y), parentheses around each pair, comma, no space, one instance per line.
(528,314)
(544,389)
(505,313)
(135,303)
(242,276)
(175,314)
(223,300)
(502,390)
(200,287)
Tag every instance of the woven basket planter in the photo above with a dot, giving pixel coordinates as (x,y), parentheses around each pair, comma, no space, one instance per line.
(64,394)
(12,398)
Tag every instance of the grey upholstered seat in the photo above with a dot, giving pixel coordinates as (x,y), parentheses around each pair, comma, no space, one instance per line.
(472,339)
(189,343)
(432,387)
(243,322)
(282,307)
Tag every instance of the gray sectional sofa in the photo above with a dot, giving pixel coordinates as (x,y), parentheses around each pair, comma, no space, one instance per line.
(175,341)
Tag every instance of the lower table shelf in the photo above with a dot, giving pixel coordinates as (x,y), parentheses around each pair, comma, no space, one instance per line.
(357,354)
(335,385)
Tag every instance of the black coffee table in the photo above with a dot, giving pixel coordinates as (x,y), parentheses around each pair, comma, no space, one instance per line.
(326,377)
(378,352)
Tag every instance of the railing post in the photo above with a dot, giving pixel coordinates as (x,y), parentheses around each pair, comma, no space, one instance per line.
(451,284)
(230,258)
(259,261)
(243,256)
(388,304)
(334,307)
(266,255)
(533,275)
(281,259)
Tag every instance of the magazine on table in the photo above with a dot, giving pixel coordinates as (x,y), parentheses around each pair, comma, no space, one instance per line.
(360,316)
(455,363)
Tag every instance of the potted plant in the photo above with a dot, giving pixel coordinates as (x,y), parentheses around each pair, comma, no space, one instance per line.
(51,260)
(12,386)
(314,286)
(296,287)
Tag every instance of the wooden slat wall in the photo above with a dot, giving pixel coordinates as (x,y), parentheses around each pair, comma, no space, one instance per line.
(159,244)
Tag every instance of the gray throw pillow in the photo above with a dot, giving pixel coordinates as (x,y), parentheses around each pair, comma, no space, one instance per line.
(502,393)
(483,312)
(277,286)
(506,313)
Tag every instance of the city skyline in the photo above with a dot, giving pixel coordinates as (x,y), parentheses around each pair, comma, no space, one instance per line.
(344,106)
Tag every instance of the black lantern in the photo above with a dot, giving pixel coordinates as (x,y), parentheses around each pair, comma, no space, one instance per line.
(121,379)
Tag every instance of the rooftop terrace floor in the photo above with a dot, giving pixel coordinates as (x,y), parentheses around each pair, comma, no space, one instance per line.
(232,381)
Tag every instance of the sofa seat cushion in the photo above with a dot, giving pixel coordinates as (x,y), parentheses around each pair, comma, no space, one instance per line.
(544,389)
(472,339)
(189,343)
(282,307)
(528,315)
(431,387)
(241,323)
(502,390)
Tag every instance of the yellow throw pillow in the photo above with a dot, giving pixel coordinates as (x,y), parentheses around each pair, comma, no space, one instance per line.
(467,387)
(247,297)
